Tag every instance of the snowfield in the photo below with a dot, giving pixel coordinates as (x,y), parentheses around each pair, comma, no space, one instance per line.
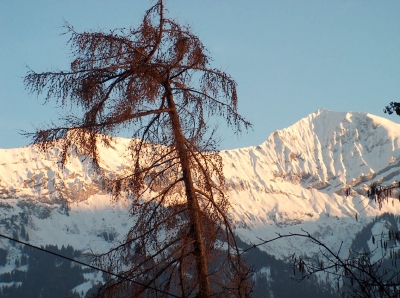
(294,181)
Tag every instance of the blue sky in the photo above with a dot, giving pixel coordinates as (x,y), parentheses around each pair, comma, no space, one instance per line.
(289,58)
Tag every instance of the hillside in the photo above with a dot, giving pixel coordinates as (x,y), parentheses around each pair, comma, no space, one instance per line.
(293,181)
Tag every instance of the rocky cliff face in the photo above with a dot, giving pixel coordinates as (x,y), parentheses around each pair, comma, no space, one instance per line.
(294,180)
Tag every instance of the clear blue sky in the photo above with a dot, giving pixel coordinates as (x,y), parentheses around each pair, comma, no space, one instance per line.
(289,58)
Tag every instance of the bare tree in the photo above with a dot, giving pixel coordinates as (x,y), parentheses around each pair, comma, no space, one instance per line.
(356,273)
(156,82)
(353,275)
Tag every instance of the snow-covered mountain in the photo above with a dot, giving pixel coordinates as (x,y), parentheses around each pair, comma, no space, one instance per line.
(294,180)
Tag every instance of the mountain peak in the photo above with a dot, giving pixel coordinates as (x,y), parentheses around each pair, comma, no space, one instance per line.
(326,123)
(334,148)
(293,181)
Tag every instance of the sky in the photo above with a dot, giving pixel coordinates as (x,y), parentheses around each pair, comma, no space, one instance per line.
(288,57)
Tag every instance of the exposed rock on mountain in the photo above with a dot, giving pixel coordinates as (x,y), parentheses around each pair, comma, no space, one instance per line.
(294,180)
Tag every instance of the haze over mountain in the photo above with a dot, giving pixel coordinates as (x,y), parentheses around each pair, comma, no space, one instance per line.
(293,181)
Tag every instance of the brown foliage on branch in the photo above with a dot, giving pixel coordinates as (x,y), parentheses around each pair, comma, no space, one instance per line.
(155,81)
(381,193)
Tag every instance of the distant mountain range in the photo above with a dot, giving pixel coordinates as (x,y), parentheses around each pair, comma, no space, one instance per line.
(295,180)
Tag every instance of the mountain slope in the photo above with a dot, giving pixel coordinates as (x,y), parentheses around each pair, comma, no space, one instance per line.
(296,179)
(293,181)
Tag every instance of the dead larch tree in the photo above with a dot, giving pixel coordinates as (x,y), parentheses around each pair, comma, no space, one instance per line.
(156,82)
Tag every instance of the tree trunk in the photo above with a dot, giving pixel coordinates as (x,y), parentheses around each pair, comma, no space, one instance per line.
(193,205)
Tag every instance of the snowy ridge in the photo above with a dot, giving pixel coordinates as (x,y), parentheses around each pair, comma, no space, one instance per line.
(292,181)
(295,179)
